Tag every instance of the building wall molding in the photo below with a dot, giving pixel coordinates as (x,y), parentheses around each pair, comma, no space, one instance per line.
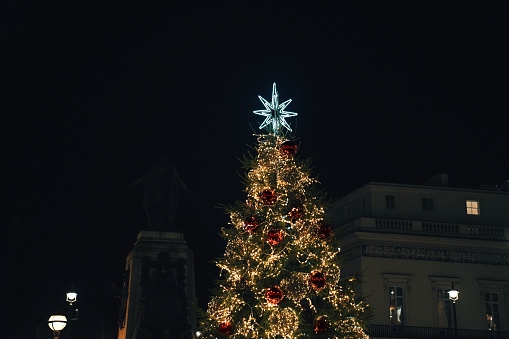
(416,251)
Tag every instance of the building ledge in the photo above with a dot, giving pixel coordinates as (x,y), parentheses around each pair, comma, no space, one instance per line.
(426,228)
(389,331)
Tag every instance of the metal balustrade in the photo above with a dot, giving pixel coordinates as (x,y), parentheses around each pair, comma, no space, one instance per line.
(411,332)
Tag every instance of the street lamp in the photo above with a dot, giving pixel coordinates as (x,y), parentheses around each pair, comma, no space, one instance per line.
(71,297)
(453,296)
(57,324)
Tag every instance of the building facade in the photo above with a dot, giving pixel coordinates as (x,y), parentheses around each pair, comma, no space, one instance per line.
(410,244)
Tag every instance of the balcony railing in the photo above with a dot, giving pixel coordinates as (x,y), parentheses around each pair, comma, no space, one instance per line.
(425,227)
(411,332)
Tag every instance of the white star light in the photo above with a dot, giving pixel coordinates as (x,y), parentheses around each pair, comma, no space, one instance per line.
(274,112)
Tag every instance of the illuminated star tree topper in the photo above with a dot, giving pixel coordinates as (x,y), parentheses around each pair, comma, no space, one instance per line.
(274,112)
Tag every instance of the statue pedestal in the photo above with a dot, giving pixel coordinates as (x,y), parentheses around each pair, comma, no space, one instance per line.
(159,287)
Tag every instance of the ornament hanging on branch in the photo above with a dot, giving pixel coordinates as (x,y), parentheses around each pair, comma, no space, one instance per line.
(288,148)
(225,328)
(321,324)
(333,273)
(284,322)
(274,237)
(251,224)
(274,295)
(296,286)
(296,213)
(317,280)
(268,196)
(323,231)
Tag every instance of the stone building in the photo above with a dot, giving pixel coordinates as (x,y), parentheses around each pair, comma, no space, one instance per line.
(411,243)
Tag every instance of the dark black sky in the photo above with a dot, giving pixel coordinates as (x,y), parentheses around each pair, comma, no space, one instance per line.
(94,93)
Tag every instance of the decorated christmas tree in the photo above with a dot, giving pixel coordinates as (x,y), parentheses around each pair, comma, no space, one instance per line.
(280,274)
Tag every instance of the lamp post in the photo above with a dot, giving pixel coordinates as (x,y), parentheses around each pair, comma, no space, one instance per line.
(453,296)
(70,298)
(57,324)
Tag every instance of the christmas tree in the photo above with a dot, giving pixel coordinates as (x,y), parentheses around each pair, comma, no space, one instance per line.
(280,274)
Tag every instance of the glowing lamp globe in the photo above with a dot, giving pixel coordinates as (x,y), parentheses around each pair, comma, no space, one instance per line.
(71,297)
(453,294)
(57,322)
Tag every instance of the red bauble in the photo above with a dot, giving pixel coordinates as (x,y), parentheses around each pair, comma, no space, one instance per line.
(288,148)
(317,280)
(251,224)
(226,328)
(269,196)
(296,213)
(321,324)
(323,231)
(274,237)
(274,295)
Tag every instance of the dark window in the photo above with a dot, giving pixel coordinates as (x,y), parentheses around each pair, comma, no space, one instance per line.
(428,205)
(348,213)
(445,314)
(390,202)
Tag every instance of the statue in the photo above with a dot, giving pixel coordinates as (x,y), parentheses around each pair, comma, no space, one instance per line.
(161,184)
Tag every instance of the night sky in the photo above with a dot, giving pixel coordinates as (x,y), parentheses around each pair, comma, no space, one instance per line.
(93,93)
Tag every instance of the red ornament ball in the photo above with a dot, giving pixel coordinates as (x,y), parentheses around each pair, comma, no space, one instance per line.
(274,237)
(296,213)
(226,328)
(317,280)
(269,196)
(323,231)
(288,148)
(251,224)
(274,295)
(321,324)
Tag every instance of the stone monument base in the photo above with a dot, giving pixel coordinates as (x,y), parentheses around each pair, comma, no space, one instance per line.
(158,296)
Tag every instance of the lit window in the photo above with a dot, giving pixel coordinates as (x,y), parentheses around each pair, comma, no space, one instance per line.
(396,302)
(493,311)
(473,207)
(428,205)
(390,202)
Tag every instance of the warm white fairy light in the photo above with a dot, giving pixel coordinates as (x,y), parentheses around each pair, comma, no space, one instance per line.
(284,322)
(249,261)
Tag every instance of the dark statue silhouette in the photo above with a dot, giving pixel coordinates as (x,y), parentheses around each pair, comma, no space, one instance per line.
(161,184)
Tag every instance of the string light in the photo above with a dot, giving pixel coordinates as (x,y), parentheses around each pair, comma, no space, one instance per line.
(251,265)
(284,322)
